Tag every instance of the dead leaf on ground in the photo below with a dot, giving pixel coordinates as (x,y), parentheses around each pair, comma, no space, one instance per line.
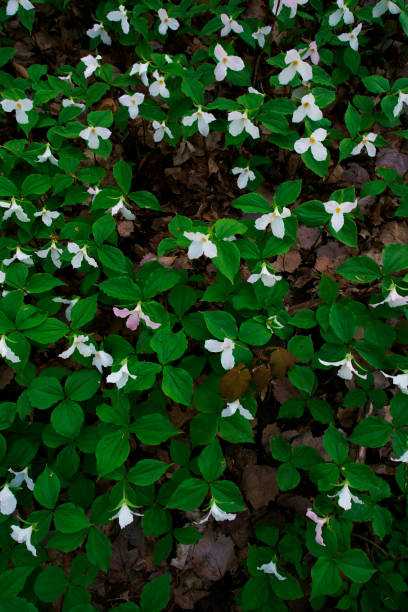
(235,382)
(288,262)
(213,556)
(281,360)
(259,485)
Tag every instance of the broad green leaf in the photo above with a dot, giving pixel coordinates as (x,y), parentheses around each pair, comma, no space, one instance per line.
(188,495)
(112,451)
(154,428)
(372,431)
(395,258)
(362,269)
(221,324)
(355,564)
(50,584)
(156,594)
(47,488)
(122,171)
(287,192)
(44,392)
(69,518)
(177,384)
(146,472)
(99,549)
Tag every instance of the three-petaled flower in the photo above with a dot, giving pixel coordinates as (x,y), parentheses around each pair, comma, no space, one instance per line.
(160,129)
(200,245)
(346,497)
(203,120)
(121,376)
(21,535)
(275,220)
(271,568)
(231,409)
(20,256)
(393,299)
(20,477)
(260,35)
(125,515)
(14,209)
(385,5)
(225,348)
(98,29)
(80,253)
(337,210)
(314,142)
(101,359)
(47,156)
(121,207)
(79,344)
(47,216)
(55,253)
(400,380)
(229,24)
(244,175)
(134,317)
(311,52)
(21,107)
(233,62)
(367,142)
(92,134)
(13,6)
(240,122)
(296,65)
(292,4)
(402,99)
(268,278)
(91,63)
(158,87)
(319,525)
(307,108)
(141,70)
(120,15)
(132,102)
(347,369)
(217,513)
(343,12)
(166,22)
(351,37)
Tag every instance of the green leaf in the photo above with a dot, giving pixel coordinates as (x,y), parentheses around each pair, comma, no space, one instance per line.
(252,203)
(225,228)
(227,495)
(177,384)
(40,283)
(121,287)
(342,321)
(221,324)
(328,290)
(376,83)
(252,332)
(193,89)
(395,258)
(36,184)
(145,199)
(49,331)
(336,445)
(156,594)
(372,431)
(146,472)
(325,577)
(303,378)
(7,187)
(103,228)
(83,312)
(211,461)
(111,452)
(355,565)
(82,385)
(69,518)
(67,418)
(168,345)
(301,347)
(47,488)
(187,535)
(99,549)
(188,495)
(287,477)
(361,268)
(228,259)
(50,584)
(44,392)
(12,582)
(154,428)
(122,171)
(352,119)
(287,192)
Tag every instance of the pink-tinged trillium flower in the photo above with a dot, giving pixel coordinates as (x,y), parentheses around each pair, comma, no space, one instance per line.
(203,120)
(160,130)
(292,4)
(200,245)
(132,102)
(296,65)
(71,304)
(402,99)
(268,279)
(19,106)
(125,515)
(347,369)
(337,210)
(91,63)
(225,348)
(231,409)
(13,6)
(218,514)
(275,220)
(270,568)
(47,156)
(351,37)
(244,175)
(101,360)
(319,525)
(20,477)
(8,501)
(71,102)
(158,87)
(385,5)
(141,70)
(55,253)
(233,62)
(6,352)
(20,256)
(47,216)
(367,142)
(80,253)
(346,497)
(314,143)
(14,209)
(120,15)
(311,52)
(240,122)
(230,24)
(134,316)
(166,22)
(403,458)
(122,208)
(92,134)
(98,29)
(93,192)
(21,535)
(79,343)
(307,108)
(400,380)
(260,35)
(343,12)
(393,299)
(121,376)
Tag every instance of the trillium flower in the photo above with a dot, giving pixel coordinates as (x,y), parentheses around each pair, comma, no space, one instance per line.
(91,63)
(14,209)
(98,29)
(67,78)
(337,210)
(20,477)
(296,65)
(6,352)
(231,409)
(21,535)
(47,156)
(244,175)
(273,323)
(8,501)
(93,192)
(20,256)
(218,514)
(402,99)
(158,87)
(307,108)
(160,130)
(403,458)
(92,134)
(13,6)
(292,4)
(393,299)
(240,122)
(319,525)
(2,276)
(47,216)
(351,37)
(134,316)
(79,343)
(19,106)
(260,35)
(311,52)
(367,142)
(80,253)
(343,12)
(268,279)
(166,22)
(346,497)
(400,380)
(200,245)
(225,348)
(71,102)
(54,252)
(230,24)
(120,15)
(385,5)
(347,369)
(270,568)
(71,304)
(203,120)
(141,70)
(101,359)
(132,102)
(233,62)
(275,220)
(121,376)
(314,143)
(125,515)
(121,207)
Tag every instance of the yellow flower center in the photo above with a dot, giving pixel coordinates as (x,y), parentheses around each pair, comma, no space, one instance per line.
(338,209)
(18,105)
(93,130)
(204,239)
(312,140)
(166,20)
(225,59)
(295,63)
(246,169)
(306,104)
(133,101)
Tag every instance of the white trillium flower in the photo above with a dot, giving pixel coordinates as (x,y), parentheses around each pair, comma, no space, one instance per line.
(141,70)
(92,134)
(67,78)
(260,35)
(93,192)
(351,37)
(400,380)
(6,352)
(296,65)
(307,108)
(2,276)
(71,304)
(255,91)
(160,130)
(218,514)
(47,156)
(121,376)
(158,87)
(166,22)
(244,175)
(346,497)
(21,535)
(14,209)
(292,4)
(125,515)
(273,323)
(240,122)
(385,5)
(120,15)
(8,501)
(98,29)
(55,253)
(311,52)
(402,99)
(20,256)
(13,6)
(367,142)
(268,279)
(225,348)
(79,343)
(337,210)
(233,62)
(270,568)
(91,63)
(314,143)
(132,102)
(403,458)
(343,12)
(231,409)
(203,120)
(71,102)
(101,360)
(275,220)
(80,253)
(121,207)
(19,106)
(200,245)
(47,216)
(230,24)
(393,299)
(347,369)
(20,477)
